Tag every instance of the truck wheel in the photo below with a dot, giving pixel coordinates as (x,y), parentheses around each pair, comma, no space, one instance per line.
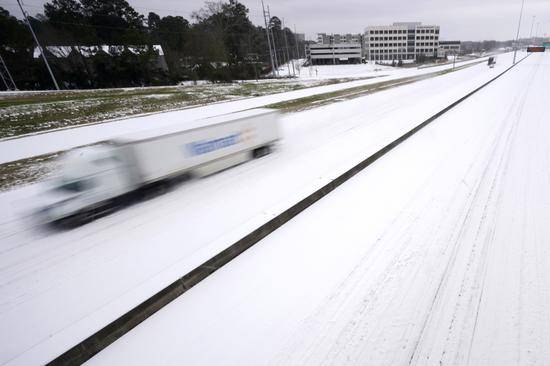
(261,151)
(73,221)
(81,219)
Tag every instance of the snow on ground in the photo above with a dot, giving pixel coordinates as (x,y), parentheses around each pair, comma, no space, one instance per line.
(332,71)
(435,255)
(64,139)
(65,286)
(34,113)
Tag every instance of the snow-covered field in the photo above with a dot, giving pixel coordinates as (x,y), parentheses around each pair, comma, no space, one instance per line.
(30,112)
(331,71)
(315,72)
(435,255)
(63,139)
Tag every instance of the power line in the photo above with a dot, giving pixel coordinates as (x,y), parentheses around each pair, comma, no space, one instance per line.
(38,44)
(268,40)
(270,30)
(5,75)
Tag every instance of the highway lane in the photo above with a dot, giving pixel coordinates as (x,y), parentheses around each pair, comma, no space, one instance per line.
(103,269)
(436,254)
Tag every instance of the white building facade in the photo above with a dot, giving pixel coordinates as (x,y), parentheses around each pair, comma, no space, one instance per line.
(324,38)
(334,49)
(401,41)
(334,53)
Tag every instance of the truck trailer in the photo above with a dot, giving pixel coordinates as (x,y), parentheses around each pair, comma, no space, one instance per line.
(95,180)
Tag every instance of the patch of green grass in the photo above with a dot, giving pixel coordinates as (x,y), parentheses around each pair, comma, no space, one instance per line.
(326,98)
(26,113)
(315,101)
(26,171)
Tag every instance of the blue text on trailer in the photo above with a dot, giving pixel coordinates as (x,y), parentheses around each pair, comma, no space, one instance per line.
(206,146)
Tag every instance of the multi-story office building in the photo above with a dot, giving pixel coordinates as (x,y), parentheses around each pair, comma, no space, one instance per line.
(334,53)
(401,41)
(449,47)
(332,49)
(324,38)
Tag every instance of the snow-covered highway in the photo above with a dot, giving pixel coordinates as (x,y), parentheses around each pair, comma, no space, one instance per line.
(436,254)
(63,139)
(65,286)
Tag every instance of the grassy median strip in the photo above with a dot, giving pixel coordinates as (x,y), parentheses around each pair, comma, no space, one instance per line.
(31,112)
(26,171)
(315,101)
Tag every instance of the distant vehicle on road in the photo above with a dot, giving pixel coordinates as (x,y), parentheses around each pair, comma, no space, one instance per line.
(96,180)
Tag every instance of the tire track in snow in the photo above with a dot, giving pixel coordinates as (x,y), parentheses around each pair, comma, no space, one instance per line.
(343,342)
(355,280)
(472,282)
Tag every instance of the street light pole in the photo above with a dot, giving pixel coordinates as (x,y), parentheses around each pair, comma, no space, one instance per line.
(532,24)
(517,34)
(296,43)
(38,44)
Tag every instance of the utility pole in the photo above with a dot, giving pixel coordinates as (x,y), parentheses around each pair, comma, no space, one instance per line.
(268,40)
(274,43)
(286,48)
(6,76)
(296,43)
(38,44)
(275,51)
(517,34)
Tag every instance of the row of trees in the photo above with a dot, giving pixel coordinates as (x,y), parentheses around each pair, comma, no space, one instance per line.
(479,46)
(220,43)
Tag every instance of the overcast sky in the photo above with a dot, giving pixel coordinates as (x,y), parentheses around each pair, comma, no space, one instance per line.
(459,19)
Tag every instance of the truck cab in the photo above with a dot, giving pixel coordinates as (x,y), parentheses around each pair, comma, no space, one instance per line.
(88,179)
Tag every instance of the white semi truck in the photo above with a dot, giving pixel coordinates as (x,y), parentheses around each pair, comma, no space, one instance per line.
(97,179)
